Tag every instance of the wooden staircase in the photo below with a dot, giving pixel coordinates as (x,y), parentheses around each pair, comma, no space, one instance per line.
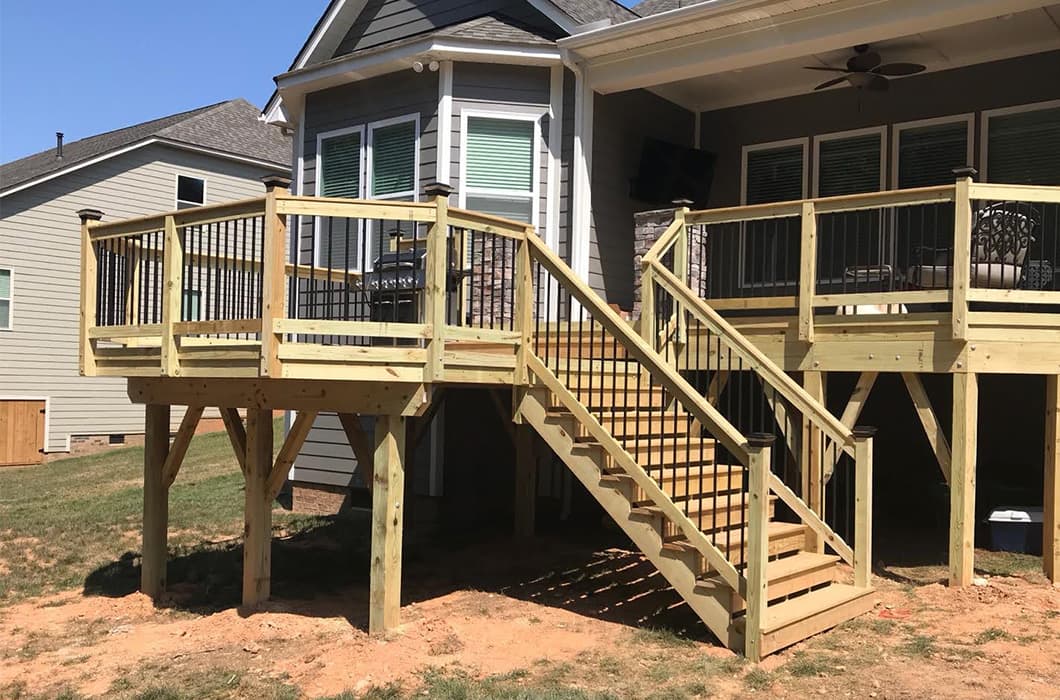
(660,478)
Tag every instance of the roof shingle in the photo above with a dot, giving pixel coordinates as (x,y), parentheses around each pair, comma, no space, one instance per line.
(231,127)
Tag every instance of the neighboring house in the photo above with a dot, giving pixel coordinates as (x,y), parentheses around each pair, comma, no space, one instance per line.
(209,155)
(575,114)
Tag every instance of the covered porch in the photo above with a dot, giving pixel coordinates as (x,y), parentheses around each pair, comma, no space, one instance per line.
(906,225)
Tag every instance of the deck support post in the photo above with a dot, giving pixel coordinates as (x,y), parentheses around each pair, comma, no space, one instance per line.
(759,448)
(273,275)
(525,480)
(156,501)
(257,530)
(1051,510)
(812,458)
(962,478)
(387,508)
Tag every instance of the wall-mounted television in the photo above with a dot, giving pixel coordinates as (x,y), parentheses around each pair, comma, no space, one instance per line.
(669,172)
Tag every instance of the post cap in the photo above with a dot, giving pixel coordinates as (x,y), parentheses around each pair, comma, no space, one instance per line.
(273,182)
(863,432)
(89,214)
(682,202)
(438,189)
(761,439)
(968,171)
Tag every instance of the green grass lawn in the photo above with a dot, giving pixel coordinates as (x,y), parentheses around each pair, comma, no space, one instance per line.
(62,520)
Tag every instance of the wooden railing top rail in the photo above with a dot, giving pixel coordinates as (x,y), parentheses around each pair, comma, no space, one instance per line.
(1044,194)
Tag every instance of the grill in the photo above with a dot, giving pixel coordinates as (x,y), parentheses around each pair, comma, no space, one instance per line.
(394,284)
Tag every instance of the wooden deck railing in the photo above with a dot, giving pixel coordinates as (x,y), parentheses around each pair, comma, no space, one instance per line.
(897,251)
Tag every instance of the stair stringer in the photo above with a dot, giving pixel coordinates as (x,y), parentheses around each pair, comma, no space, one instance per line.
(709,605)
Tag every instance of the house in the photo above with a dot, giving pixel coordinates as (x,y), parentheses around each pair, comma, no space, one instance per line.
(205,156)
(477,185)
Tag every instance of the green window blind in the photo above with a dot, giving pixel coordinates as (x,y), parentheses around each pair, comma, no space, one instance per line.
(774,174)
(5,298)
(1024,148)
(928,155)
(849,165)
(340,158)
(394,159)
(500,154)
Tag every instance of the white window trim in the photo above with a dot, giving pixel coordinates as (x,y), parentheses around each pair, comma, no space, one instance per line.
(839,136)
(899,127)
(372,126)
(746,151)
(984,133)
(535,181)
(176,190)
(318,166)
(10,301)
(803,141)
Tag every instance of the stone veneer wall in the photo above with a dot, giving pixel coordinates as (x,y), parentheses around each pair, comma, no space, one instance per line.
(647,227)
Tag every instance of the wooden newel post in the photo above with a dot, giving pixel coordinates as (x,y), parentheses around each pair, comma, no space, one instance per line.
(89,276)
(680,267)
(962,250)
(863,436)
(436,282)
(273,276)
(807,270)
(759,449)
(172,296)
(524,306)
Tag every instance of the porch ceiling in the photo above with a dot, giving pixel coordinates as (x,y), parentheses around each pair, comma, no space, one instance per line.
(692,54)
(997,38)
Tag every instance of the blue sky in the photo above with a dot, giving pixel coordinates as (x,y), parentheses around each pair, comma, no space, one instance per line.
(88,66)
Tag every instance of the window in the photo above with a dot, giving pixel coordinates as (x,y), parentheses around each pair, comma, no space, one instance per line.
(6,288)
(499,161)
(849,163)
(392,152)
(769,250)
(192,308)
(340,168)
(341,158)
(927,153)
(1023,145)
(191,191)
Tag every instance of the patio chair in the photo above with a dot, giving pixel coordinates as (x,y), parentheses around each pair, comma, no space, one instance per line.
(1001,235)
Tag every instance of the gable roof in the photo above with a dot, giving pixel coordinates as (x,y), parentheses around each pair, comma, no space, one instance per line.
(654,7)
(587,11)
(230,129)
(496,27)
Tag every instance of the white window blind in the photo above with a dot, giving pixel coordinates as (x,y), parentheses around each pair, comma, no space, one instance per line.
(1024,148)
(849,165)
(775,174)
(928,155)
(5,299)
(499,166)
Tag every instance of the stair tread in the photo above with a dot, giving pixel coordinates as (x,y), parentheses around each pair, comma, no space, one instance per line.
(724,499)
(783,568)
(806,606)
(776,529)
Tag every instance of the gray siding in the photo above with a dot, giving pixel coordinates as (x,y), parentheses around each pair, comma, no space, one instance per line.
(620,124)
(958,91)
(40,240)
(385,21)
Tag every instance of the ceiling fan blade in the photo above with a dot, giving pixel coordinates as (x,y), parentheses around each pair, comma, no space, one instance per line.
(878,83)
(863,62)
(899,69)
(830,83)
(827,68)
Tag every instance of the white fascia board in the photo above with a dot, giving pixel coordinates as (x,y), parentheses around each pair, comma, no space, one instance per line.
(825,27)
(143,144)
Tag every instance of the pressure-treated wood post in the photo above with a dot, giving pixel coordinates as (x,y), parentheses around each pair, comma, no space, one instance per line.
(962,251)
(156,501)
(525,481)
(89,276)
(647,307)
(1051,520)
(759,447)
(807,271)
(436,280)
(172,296)
(863,505)
(273,274)
(681,271)
(257,514)
(524,307)
(812,458)
(389,477)
(962,478)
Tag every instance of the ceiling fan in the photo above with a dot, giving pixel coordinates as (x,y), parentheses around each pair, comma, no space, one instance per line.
(866,71)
